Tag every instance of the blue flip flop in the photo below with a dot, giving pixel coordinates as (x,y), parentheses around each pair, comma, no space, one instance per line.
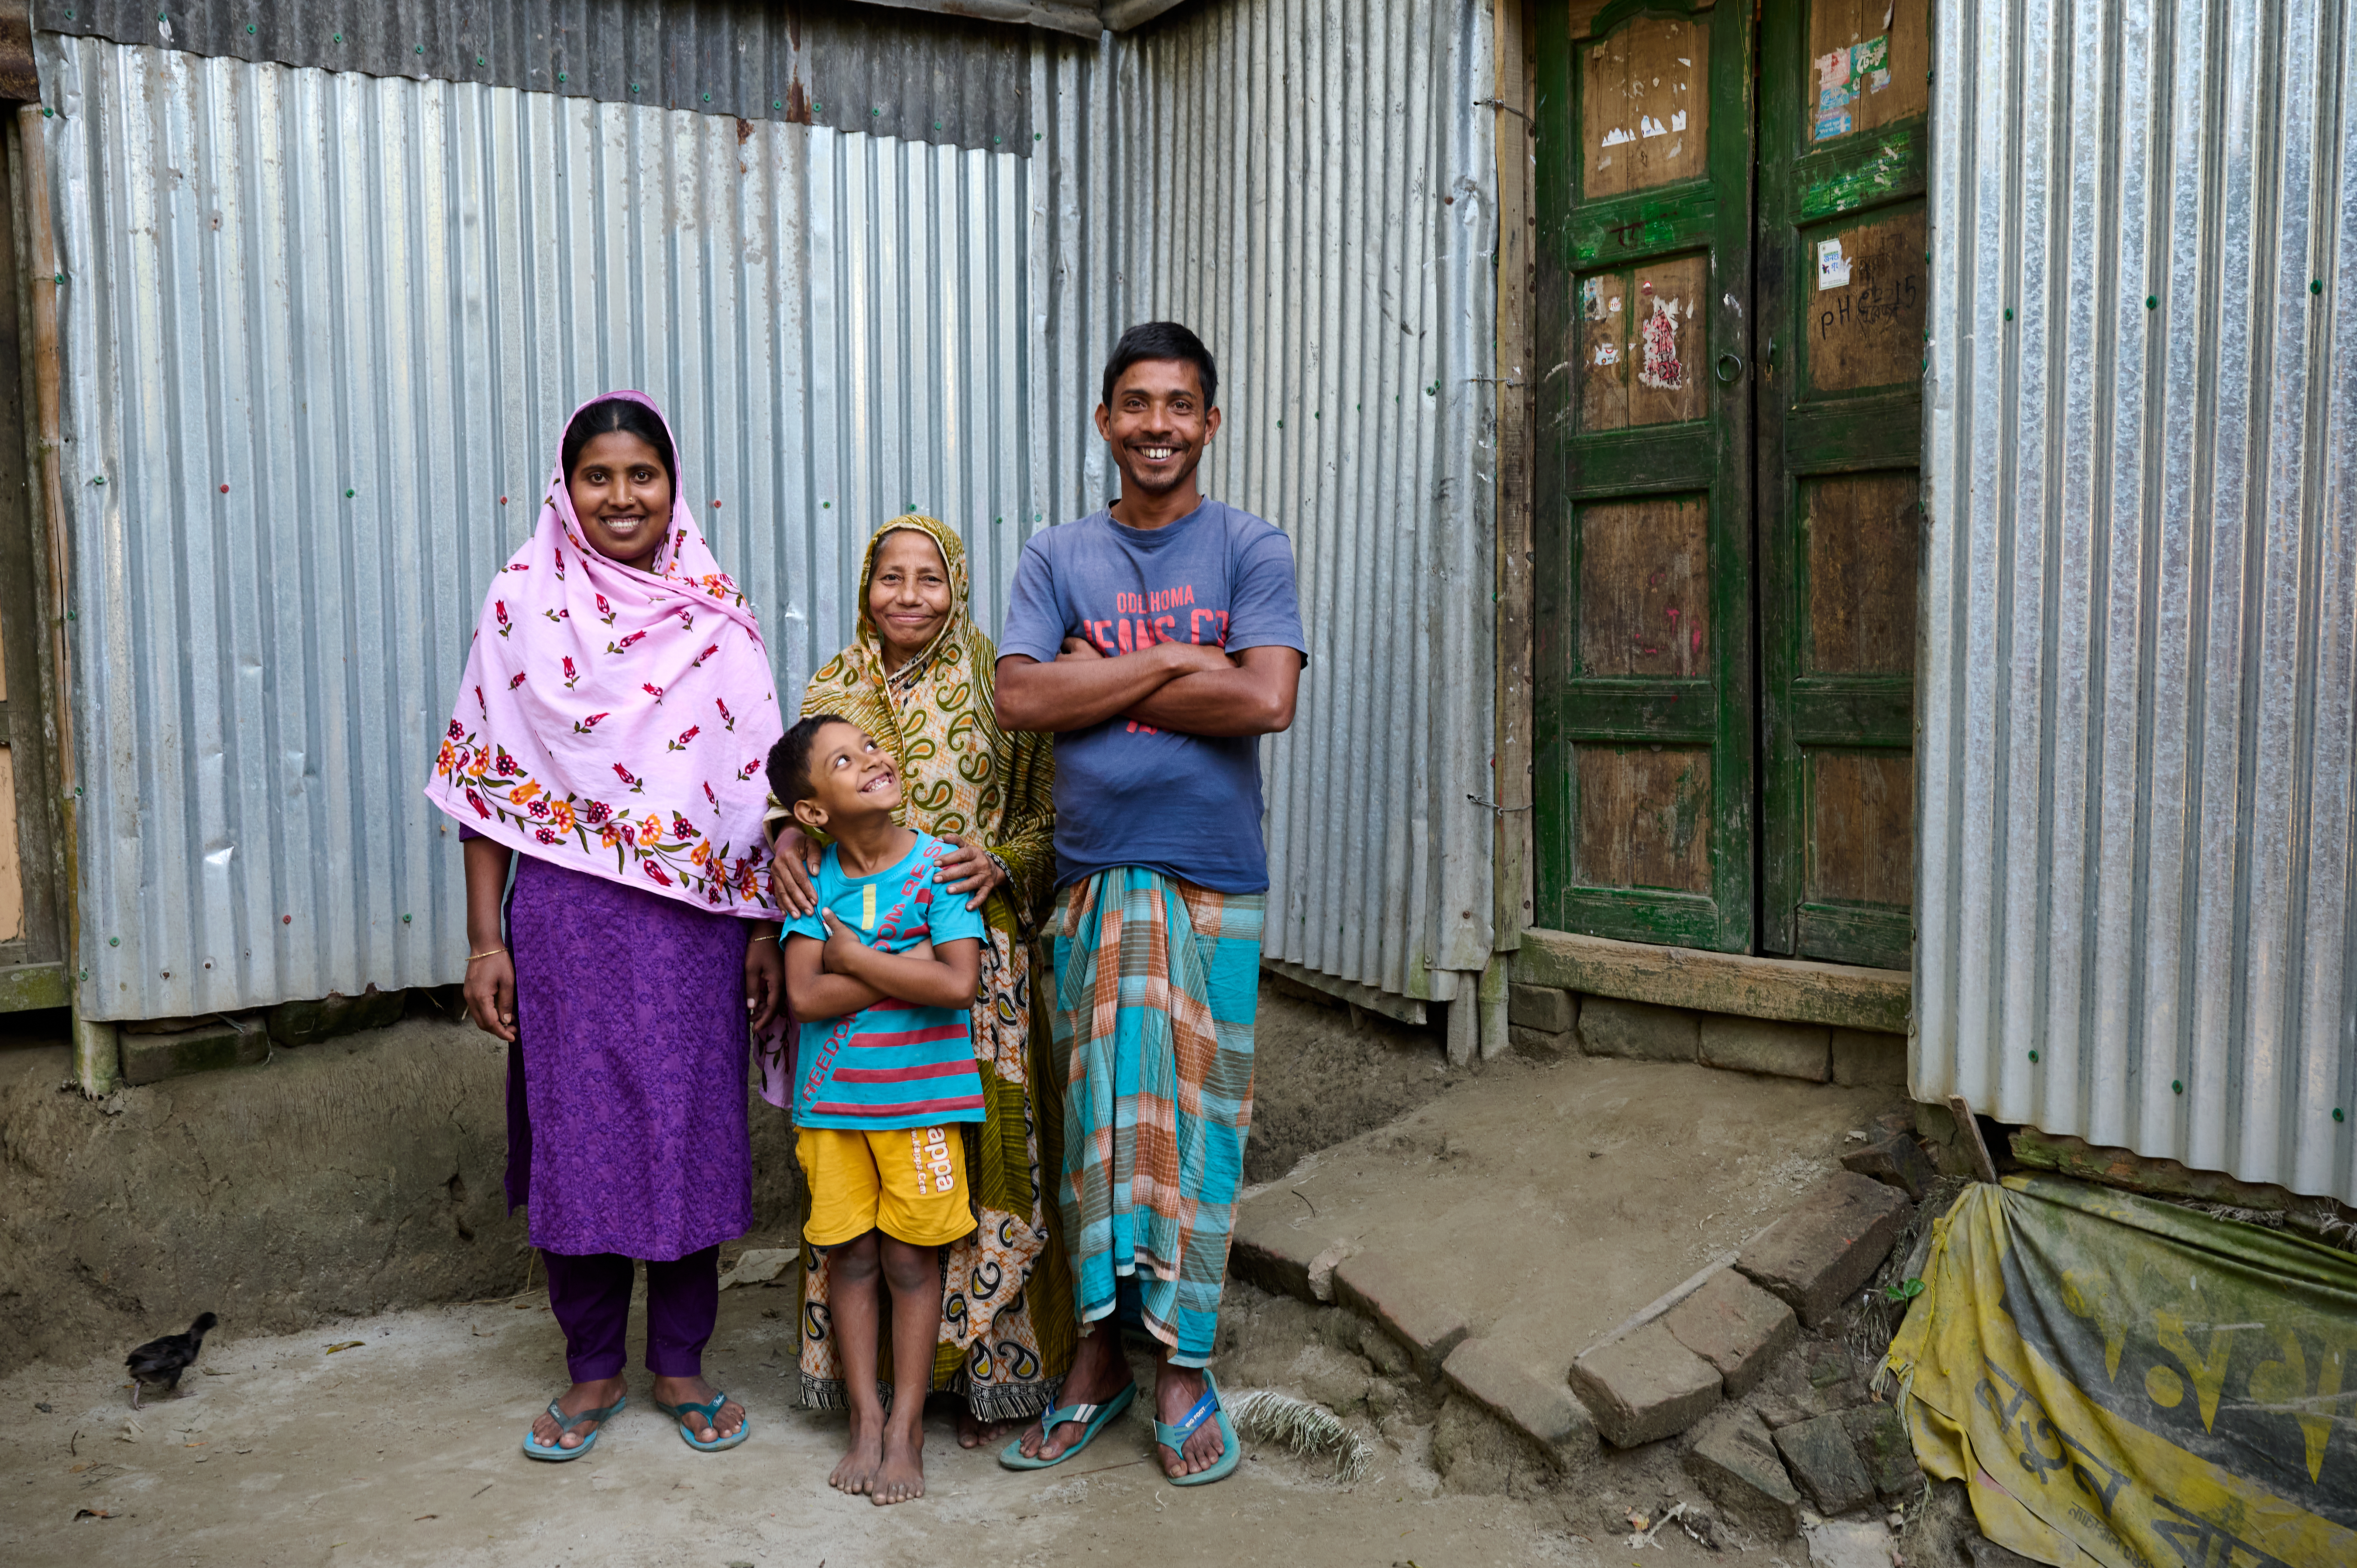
(1093,1418)
(1174,1437)
(710,1411)
(533,1448)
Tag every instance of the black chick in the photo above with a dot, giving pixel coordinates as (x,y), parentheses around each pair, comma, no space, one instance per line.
(158,1365)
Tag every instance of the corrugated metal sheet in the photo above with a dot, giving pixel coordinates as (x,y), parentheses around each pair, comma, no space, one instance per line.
(900,72)
(2139,685)
(317,326)
(296,283)
(1311,187)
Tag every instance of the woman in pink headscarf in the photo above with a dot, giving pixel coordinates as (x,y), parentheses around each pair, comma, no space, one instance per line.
(607,744)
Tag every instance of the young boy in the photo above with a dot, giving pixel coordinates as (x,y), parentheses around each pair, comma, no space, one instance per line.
(882,977)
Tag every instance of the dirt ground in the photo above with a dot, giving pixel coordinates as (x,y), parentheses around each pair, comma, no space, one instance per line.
(402,1450)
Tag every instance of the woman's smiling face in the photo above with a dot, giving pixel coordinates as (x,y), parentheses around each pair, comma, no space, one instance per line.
(908,594)
(621,493)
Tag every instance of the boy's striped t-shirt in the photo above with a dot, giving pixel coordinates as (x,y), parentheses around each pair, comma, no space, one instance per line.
(893,1063)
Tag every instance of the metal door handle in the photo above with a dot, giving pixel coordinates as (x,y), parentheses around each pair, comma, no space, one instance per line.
(1724,373)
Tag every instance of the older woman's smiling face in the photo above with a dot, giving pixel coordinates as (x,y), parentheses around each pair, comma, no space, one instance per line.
(908,594)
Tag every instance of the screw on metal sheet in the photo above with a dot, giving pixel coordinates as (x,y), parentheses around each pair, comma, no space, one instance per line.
(114,942)
(60,278)
(2316,286)
(46,112)
(2176,1086)
(2336,1109)
(478,59)
(285,919)
(994,141)
(405,919)
(560,76)
(937,124)
(2152,302)
(708,98)
(420,48)
(2033,1056)
(99,480)
(634,87)
(2009,313)
(777,103)
(348,495)
(225,489)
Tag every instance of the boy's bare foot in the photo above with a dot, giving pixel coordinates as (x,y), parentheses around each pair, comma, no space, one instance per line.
(677,1391)
(572,1402)
(974,1431)
(1176,1390)
(856,1472)
(901,1477)
(1098,1374)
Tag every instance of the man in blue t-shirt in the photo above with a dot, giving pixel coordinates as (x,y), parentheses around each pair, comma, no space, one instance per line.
(1158,639)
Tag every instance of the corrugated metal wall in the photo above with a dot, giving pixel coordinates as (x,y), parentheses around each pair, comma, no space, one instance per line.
(851,67)
(296,285)
(1311,187)
(2140,638)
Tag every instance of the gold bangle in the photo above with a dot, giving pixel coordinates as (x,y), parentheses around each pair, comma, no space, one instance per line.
(485,954)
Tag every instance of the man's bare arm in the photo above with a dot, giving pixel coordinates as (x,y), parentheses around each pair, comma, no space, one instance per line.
(1075,694)
(1251,694)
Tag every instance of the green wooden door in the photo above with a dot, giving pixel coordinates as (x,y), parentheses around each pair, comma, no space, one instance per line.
(1644,708)
(1841,293)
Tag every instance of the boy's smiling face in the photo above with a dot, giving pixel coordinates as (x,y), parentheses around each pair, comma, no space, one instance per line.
(851,778)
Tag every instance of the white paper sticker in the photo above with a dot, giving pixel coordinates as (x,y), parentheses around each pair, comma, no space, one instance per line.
(1615,136)
(1833,267)
(1677,119)
(1650,126)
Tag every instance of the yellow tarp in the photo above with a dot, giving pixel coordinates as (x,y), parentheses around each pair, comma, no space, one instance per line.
(2129,1383)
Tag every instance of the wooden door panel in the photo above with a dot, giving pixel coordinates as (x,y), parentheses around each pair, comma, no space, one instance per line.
(1644,818)
(1643,510)
(1859,533)
(1640,345)
(1843,295)
(1869,66)
(1644,588)
(1861,837)
(1866,303)
(1645,107)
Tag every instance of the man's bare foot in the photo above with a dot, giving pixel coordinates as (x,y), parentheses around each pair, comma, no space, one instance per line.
(593,1395)
(1098,1374)
(974,1431)
(901,1477)
(856,1473)
(678,1392)
(1176,1390)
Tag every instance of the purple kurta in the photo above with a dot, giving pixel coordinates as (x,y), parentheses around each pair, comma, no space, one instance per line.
(631,1024)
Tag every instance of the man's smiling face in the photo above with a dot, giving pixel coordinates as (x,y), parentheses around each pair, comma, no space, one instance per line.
(1157,425)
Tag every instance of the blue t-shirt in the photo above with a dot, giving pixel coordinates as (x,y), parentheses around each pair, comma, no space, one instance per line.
(892,1064)
(1127,794)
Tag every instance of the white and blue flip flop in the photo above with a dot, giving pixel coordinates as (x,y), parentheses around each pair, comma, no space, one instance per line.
(1174,1436)
(1094,1417)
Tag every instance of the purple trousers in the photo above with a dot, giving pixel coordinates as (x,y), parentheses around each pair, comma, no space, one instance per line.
(590,1293)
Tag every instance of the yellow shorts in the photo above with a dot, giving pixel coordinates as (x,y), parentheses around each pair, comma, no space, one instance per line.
(908,1182)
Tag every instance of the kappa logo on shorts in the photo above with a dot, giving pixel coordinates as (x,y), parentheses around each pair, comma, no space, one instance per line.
(931,1148)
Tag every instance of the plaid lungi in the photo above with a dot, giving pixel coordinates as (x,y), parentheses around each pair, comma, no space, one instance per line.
(1157,982)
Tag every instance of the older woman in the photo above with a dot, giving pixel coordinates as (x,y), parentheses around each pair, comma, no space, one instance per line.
(610,728)
(917,678)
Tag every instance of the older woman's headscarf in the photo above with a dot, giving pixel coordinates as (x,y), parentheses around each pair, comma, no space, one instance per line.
(960,772)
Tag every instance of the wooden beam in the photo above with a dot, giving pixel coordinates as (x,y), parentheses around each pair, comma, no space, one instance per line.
(1791,990)
(1516,88)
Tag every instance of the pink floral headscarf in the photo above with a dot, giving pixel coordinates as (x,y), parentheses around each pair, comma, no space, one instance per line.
(615,721)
